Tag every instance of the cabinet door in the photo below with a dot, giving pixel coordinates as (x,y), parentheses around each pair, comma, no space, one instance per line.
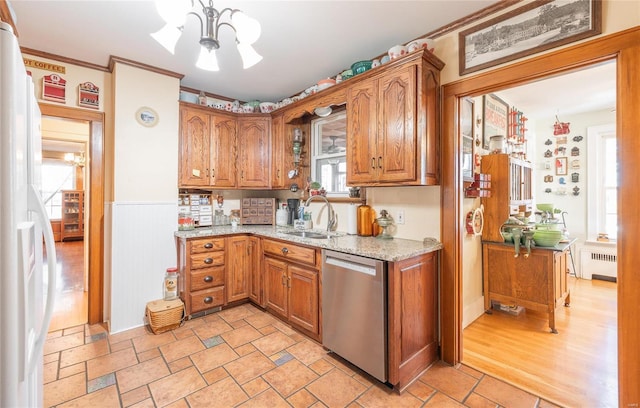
(275,288)
(396,143)
(237,266)
(255,271)
(278,171)
(254,152)
(194,148)
(361,133)
(303,298)
(223,151)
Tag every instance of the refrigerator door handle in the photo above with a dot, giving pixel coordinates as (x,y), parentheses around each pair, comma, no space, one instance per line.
(35,204)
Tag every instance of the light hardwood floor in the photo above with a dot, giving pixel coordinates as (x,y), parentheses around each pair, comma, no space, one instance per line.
(575,368)
(71,299)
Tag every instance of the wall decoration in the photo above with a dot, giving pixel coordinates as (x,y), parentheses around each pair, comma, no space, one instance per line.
(548,153)
(575,151)
(548,142)
(561,140)
(561,166)
(576,190)
(147,116)
(494,118)
(535,27)
(561,180)
(560,151)
(466,134)
(561,128)
(45,66)
(575,177)
(88,95)
(575,164)
(577,138)
(54,88)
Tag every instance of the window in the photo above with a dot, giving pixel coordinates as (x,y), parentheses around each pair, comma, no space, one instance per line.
(328,153)
(602,206)
(56,176)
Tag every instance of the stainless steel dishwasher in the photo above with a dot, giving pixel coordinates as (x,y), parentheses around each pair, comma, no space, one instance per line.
(354,310)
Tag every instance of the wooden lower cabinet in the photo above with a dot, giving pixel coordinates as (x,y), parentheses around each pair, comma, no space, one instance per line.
(201,268)
(241,266)
(412,317)
(537,282)
(291,287)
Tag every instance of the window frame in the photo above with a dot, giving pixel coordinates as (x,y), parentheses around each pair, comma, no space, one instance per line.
(596,188)
(316,149)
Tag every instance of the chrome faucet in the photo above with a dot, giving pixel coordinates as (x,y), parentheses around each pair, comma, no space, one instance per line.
(331,216)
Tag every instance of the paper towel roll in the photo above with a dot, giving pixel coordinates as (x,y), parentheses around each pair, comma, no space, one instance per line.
(352,219)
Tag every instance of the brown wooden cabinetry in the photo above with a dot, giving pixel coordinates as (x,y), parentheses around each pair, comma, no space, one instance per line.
(72,222)
(223,151)
(292,284)
(412,317)
(254,152)
(392,125)
(537,282)
(202,273)
(241,266)
(511,192)
(195,151)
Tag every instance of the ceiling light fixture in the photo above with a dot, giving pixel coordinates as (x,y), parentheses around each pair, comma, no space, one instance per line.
(175,12)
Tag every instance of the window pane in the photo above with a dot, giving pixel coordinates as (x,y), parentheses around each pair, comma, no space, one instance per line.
(329,162)
(56,175)
(332,174)
(610,162)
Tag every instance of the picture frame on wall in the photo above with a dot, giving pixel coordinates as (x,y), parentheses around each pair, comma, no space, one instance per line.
(495,118)
(530,29)
(466,137)
(561,166)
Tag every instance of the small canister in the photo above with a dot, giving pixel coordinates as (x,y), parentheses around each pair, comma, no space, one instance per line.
(171,284)
(185,221)
(365,225)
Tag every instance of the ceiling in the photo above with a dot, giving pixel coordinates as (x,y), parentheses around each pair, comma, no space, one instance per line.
(301,42)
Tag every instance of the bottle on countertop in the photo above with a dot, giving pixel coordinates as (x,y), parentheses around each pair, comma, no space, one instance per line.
(365,221)
(171,284)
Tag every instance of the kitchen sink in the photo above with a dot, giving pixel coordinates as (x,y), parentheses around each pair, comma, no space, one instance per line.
(308,234)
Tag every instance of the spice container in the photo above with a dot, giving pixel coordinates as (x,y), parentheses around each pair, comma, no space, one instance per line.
(365,225)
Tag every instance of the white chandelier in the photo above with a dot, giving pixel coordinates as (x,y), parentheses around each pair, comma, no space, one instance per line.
(175,12)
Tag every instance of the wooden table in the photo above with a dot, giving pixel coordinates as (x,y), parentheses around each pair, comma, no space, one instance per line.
(537,282)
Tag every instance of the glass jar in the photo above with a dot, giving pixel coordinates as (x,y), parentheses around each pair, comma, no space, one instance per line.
(185,221)
(497,144)
(170,285)
(365,224)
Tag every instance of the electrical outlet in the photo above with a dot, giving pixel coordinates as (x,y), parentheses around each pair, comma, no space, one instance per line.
(400,217)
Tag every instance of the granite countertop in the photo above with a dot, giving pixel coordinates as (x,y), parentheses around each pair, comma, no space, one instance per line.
(384,249)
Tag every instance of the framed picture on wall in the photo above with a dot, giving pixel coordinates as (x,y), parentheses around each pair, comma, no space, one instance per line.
(561,166)
(495,118)
(466,137)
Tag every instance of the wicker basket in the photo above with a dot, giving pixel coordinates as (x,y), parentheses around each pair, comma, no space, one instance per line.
(164,315)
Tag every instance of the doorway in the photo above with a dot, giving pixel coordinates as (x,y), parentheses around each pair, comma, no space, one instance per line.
(94,204)
(624,47)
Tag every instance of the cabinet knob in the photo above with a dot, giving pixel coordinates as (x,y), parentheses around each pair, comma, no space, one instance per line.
(208,300)
(208,245)
(285,250)
(208,278)
(208,260)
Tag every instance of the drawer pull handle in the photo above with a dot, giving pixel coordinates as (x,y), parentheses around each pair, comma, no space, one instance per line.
(208,300)
(285,250)
(208,260)
(373,163)
(208,278)
(208,245)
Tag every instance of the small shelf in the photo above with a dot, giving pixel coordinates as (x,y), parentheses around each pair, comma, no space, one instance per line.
(72,224)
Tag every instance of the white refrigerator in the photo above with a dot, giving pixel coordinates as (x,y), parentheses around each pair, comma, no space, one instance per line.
(26,294)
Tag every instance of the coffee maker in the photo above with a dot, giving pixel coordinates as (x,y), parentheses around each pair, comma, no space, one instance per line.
(292,205)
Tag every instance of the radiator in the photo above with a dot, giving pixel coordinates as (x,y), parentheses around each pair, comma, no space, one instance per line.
(599,260)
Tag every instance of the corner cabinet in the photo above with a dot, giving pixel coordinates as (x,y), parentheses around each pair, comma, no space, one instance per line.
(72,222)
(392,122)
(223,150)
(242,269)
(511,192)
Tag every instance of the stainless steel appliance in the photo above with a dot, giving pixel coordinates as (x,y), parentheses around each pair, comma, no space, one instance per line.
(354,310)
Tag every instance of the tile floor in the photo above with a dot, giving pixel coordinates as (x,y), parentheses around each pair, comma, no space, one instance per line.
(240,357)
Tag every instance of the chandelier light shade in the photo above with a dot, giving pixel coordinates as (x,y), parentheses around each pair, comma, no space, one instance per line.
(174,13)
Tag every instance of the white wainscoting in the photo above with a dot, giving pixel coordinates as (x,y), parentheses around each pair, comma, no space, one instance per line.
(142,248)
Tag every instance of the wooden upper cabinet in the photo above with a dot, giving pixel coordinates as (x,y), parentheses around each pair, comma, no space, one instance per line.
(254,152)
(223,151)
(195,142)
(392,121)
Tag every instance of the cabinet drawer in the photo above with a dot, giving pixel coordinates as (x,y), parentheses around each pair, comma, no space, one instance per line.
(206,299)
(290,251)
(207,260)
(207,278)
(206,245)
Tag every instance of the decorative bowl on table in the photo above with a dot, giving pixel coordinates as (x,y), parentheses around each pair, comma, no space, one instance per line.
(547,238)
(361,66)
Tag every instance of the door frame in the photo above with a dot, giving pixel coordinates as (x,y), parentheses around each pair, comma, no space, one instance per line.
(96,202)
(622,47)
